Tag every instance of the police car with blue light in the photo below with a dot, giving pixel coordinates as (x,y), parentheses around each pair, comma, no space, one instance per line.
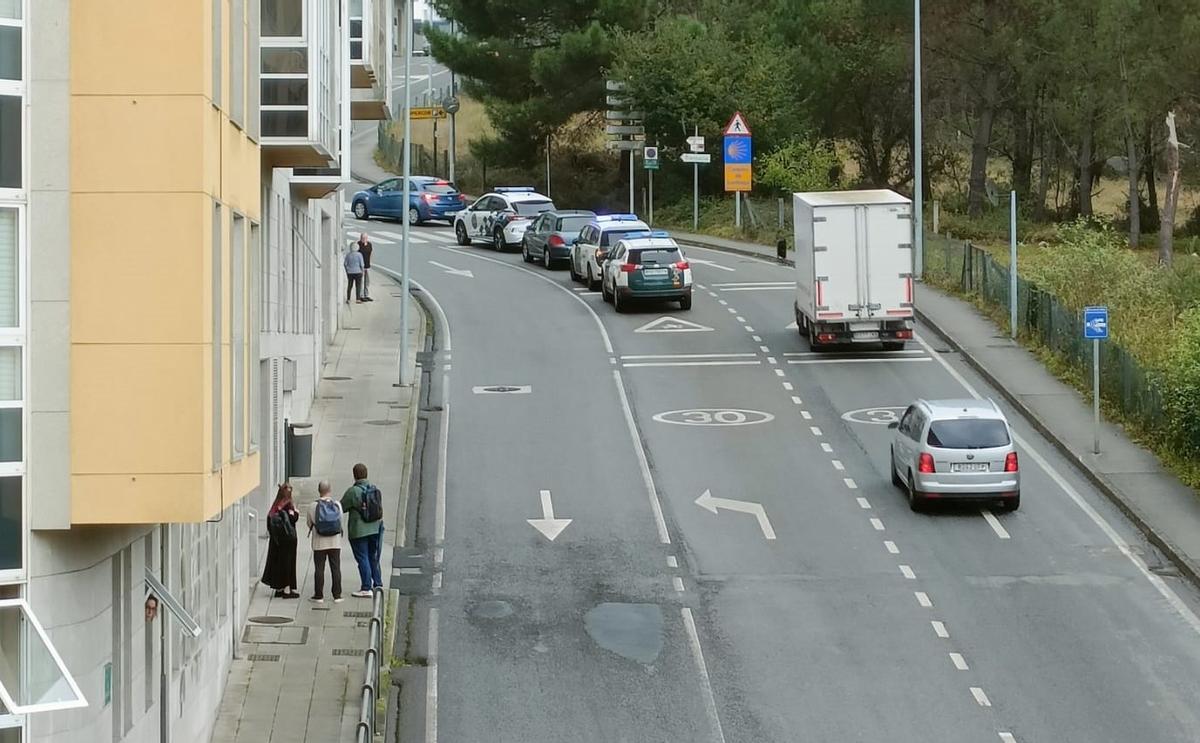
(594,242)
(500,217)
(646,266)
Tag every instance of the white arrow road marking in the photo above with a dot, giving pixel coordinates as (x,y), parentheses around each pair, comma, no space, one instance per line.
(549,526)
(453,271)
(710,263)
(712,504)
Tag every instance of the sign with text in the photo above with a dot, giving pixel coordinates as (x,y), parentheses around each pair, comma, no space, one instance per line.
(418,114)
(739,154)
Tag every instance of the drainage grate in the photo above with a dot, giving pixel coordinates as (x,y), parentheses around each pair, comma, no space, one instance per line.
(338,379)
(259,658)
(270,620)
(349,653)
(357,614)
(383,423)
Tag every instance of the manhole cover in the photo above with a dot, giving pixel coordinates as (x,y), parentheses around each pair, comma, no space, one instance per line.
(501,389)
(383,423)
(270,620)
(338,379)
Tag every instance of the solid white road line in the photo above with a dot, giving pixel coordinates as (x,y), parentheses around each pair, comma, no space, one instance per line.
(939,629)
(1182,609)
(439,515)
(693,363)
(838,354)
(651,491)
(710,702)
(877,525)
(788,288)
(959,662)
(672,561)
(995,524)
(891,547)
(907,572)
(788,284)
(864,504)
(923,600)
(677,582)
(431,680)
(647,357)
(980,697)
(857,361)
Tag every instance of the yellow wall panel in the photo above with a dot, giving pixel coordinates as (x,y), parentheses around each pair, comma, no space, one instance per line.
(138,143)
(138,499)
(141,47)
(139,409)
(139,268)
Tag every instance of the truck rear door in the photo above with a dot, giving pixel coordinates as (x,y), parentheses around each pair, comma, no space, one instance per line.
(835,238)
(887,261)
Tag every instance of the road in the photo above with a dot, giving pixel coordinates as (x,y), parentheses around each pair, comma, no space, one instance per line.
(833,613)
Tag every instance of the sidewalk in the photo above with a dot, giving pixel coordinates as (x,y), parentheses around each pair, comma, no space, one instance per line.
(1165,509)
(362,156)
(299,682)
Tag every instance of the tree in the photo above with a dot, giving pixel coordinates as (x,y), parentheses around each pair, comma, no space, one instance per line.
(800,165)
(1166,232)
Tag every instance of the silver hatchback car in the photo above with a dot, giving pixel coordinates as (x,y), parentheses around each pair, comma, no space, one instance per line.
(955,449)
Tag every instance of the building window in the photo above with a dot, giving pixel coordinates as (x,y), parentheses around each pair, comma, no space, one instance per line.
(10,268)
(237,340)
(11,140)
(12,536)
(33,677)
(283,18)
(255,304)
(237,62)
(217,320)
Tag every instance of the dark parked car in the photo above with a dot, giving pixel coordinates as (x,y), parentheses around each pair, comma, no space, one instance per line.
(549,239)
(431,198)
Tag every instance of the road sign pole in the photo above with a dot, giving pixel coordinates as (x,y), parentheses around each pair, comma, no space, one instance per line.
(547,164)
(696,191)
(405,374)
(737,209)
(631,171)
(650,197)
(1095,395)
(1012,264)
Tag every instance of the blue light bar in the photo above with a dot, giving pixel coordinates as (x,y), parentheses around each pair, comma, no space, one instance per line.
(636,235)
(617,218)
(514,189)
(660,233)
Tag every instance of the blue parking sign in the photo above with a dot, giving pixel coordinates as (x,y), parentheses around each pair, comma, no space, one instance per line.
(1095,323)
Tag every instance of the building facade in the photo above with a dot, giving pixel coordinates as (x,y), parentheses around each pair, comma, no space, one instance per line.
(170,242)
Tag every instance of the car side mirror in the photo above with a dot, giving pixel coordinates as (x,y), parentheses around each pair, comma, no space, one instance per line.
(894,424)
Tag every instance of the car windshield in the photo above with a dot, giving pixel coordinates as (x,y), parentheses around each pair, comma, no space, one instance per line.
(440,188)
(968,433)
(532,208)
(612,236)
(573,224)
(655,256)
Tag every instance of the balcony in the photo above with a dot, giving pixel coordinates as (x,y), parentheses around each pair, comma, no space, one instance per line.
(316,183)
(299,81)
(370,45)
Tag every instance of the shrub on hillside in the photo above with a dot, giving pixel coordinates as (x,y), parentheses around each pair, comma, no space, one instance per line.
(1181,393)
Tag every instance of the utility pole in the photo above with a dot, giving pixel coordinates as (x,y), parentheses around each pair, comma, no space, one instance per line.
(547,164)
(405,374)
(696,188)
(453,133)
(918,177)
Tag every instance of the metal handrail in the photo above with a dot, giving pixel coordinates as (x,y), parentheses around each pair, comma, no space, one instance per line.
(372,667)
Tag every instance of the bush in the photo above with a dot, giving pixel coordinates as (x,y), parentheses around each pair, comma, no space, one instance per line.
(1181,398)
(800,165)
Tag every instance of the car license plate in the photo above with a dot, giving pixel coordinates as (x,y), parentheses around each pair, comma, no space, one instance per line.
(866,335)
(969,467)
(655,273)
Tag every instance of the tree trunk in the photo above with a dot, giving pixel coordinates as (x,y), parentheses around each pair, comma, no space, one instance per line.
(1135,215)
(981,143)
(1043,190)
(1166,230)
(1152,219)
(1084,167)
(1022,152)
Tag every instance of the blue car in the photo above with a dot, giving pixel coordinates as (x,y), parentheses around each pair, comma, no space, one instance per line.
(431,198)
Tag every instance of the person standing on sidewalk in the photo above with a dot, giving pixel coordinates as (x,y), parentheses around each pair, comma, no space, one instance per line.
(364,503)
(280,571)
(325,527)
(353,264)
(365,248)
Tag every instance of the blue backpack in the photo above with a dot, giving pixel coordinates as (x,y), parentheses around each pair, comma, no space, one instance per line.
(328,521)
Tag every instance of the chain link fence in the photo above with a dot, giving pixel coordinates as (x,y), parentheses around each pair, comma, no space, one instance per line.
(963,268)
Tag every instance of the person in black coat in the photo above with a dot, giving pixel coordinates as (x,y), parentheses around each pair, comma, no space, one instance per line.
(280,570)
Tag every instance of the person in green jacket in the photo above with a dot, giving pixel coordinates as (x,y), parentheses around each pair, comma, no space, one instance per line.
(363,502)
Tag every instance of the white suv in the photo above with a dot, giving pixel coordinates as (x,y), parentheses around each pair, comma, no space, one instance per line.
(500,217)
(594,242)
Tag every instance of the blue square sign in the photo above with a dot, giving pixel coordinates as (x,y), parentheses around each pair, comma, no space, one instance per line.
(1095,323)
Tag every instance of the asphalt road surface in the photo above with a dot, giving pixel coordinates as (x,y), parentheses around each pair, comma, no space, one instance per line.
(813,605)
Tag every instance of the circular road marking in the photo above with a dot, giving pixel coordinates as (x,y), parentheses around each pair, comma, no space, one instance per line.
(878,416)
(714,417)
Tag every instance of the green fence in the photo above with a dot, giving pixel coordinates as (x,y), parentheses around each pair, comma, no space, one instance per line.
(961,267)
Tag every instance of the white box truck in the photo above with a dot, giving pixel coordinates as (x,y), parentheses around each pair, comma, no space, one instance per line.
(854,268)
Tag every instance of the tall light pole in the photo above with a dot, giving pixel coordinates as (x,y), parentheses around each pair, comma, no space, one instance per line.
(453,95)
(405,374)
(918,220)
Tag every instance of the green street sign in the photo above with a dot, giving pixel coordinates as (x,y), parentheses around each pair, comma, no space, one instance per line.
(650,164)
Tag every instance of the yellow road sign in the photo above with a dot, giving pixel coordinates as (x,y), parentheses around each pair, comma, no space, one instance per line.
(426,113)
(737,177)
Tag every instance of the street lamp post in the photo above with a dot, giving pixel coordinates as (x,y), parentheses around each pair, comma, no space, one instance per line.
(405,373)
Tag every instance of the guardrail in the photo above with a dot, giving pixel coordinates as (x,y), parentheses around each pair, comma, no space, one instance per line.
(372,663)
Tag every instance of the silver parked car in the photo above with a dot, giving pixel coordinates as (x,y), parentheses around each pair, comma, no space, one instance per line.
(955,449)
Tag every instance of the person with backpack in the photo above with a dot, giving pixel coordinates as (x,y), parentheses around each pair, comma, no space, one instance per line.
(364,504)
(325,528)
(280,570)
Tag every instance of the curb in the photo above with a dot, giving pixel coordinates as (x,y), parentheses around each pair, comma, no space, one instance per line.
(1187,567)
(1190,569)
(736,251)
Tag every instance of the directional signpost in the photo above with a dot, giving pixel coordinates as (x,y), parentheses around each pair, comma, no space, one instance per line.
(738,154)
(623,127)
(428,112)
(1095,329)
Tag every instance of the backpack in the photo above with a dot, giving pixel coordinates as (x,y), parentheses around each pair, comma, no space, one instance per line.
(328,518)
(280,528)
(370,504)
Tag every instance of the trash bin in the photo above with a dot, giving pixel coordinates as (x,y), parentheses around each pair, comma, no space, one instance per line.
(299,450)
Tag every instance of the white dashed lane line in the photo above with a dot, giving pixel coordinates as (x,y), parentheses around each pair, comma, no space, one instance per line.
(923,600)
(959,662)
(891,547)
(787,386)
(939,629)
(672,561)
(907,572)
(997,527)
(815,431)
(797,400)
(850,483)
(678,583)
(877,525)
(779,372)
(806,415)
(980,697)
(825,447)
(864,504)
(837,464)
(1007,738)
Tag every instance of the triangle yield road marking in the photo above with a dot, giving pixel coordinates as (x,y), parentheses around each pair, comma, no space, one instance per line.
(667,324)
